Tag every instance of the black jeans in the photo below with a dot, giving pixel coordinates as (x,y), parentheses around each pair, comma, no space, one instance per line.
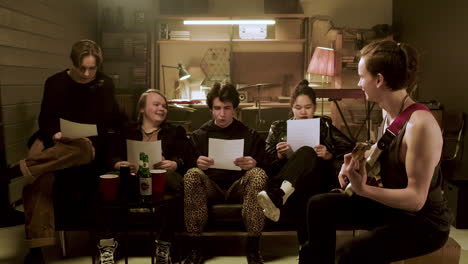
(309,175)
(393,234)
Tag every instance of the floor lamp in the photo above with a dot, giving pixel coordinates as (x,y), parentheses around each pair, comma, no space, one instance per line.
(322,63)
(183,73)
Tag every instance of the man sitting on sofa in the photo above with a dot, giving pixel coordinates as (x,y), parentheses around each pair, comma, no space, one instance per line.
(81,94)
(203,185)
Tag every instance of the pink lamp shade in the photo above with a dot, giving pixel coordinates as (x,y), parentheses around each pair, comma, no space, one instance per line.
(322,62)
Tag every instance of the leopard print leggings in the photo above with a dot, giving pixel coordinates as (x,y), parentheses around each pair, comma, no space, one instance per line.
(198,187)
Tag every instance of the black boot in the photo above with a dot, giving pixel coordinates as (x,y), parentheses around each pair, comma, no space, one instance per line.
(34,256)
(195,255)
(8,215)
(252,250)
(304,255)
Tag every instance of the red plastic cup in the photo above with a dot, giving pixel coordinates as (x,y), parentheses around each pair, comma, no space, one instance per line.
(159,183)
(109,187)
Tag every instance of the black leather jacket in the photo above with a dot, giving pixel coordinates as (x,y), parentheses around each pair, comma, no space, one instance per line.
(336,142)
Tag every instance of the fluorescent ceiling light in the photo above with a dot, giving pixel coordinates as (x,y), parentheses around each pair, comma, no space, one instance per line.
(229,22)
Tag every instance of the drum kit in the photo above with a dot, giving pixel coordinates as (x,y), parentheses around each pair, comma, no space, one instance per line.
(258,120)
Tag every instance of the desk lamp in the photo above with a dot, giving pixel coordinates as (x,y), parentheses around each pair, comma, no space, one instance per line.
(183,73)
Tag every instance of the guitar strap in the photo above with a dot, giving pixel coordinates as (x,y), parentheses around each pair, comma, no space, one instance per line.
(394,129)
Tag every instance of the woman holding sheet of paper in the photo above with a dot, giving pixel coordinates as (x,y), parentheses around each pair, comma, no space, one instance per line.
(177,152)
(307,171)
(177,157)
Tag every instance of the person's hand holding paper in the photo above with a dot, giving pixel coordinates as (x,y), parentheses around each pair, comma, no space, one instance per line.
(304,132)
(165,164)
(224,153)
(204,163)
(71,129)
(245,163)
(152,149)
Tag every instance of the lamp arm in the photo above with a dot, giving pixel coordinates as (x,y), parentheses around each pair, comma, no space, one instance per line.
(167,66)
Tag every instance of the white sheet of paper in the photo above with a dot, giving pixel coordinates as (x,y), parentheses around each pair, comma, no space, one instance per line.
(304,132)
(76,130)
(224,152)
(152,149)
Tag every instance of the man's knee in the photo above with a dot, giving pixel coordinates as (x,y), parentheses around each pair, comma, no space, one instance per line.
(193,176)
(257,176)
(305,151)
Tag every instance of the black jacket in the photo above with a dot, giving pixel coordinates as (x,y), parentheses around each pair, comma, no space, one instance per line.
(336,142)
(254,146)
(174,143)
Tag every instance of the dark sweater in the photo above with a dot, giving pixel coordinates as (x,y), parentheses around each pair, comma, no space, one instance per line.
(254,146)
(174,143)
(90,103)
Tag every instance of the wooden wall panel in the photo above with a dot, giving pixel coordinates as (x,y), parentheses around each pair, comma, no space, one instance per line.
(19,132)
(35,41)
(20,39)
(21,94)
(23,22)
(25,112)
(16,75)
(33,8)
(15,152)
(28,58)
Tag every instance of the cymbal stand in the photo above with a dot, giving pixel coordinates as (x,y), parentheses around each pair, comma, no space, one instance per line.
(258,120)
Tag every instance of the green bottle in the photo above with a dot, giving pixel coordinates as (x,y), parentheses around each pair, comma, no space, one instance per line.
(144,176)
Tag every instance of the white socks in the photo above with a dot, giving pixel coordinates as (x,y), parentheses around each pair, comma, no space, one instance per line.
(288,189)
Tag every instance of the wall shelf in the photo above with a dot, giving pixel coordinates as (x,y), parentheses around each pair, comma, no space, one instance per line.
(234,40)
(211,17)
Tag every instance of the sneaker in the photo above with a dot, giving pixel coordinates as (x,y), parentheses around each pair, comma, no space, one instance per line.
(304,256)
(271,202)
(106,251)
(163,252)
(195,257)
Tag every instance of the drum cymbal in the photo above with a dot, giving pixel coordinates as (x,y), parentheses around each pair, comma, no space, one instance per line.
(255,108)
(182,108)
(262,85)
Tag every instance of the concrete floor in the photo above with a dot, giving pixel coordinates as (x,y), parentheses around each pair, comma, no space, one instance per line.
(226,250)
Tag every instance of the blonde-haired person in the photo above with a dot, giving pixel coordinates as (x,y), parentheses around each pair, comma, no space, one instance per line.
(409,214)
(178,156)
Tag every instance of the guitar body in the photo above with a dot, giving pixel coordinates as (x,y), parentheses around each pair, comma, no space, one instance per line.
(372,169)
